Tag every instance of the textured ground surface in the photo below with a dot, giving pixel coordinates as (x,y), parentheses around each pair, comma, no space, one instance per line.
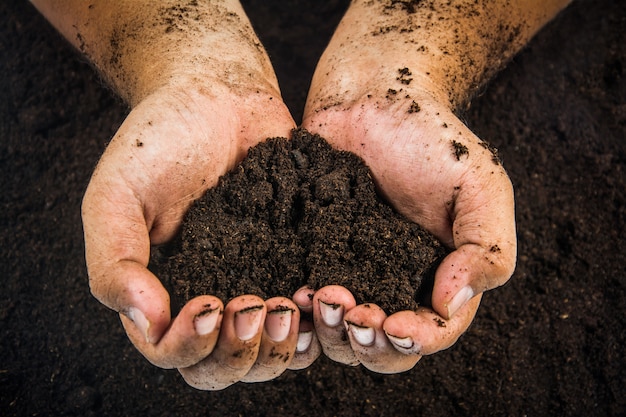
(548,343)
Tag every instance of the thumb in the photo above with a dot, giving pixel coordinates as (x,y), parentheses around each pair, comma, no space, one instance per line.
(117,251)
(485,241)
(138,295)
(465,273)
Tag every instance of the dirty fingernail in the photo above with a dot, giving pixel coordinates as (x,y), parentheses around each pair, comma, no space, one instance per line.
(332,314)
(303,298)
(363,335)
(140,321)
(278,324)
(459,300)
(248,322)
(205,321)
(404,344)
(304,341)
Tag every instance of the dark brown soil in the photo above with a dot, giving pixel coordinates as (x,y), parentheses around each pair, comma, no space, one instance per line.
(293,213)
(549,343)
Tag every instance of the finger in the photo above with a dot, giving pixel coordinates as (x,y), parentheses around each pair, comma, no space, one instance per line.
(370,343)
(279,341)
(117,251)
(303,298)
(308,347)
(424,332)
(466,272)
(237,347)
(330,303)
(485,241)
(190,338)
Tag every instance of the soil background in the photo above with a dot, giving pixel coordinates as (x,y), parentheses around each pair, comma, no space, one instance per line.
(550,342)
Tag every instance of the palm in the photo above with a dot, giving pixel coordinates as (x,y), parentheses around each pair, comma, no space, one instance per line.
(434,171)
(169,150)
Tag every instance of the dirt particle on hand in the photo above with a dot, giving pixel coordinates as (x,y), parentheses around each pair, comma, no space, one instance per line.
(414,107)
(404,76)
(459,150)
(391,92)
(495,249)
(410,6)
(495,158)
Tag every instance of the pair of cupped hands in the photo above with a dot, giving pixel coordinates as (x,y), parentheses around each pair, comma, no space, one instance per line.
(176,143)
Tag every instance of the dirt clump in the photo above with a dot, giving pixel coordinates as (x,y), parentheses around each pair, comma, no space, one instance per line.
(293,213)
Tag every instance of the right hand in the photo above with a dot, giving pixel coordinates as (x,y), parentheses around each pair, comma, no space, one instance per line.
(437,173)
(171,148)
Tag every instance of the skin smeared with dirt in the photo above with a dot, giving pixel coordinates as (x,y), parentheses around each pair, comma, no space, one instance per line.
(404,19)
(141,47)
(458,57)
(299,213)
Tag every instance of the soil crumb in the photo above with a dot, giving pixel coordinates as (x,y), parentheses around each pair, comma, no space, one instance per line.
(293,213)
(459,150)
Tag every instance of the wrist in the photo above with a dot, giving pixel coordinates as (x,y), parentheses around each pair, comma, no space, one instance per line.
(219,61)
(451,50)
(392,85)
(140,46)
(244,115)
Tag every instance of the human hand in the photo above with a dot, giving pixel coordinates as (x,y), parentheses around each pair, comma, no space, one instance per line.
(171,148)
(436,172)
(385,89)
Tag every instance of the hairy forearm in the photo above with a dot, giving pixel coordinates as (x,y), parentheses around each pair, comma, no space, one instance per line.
(141,45)
(453,45)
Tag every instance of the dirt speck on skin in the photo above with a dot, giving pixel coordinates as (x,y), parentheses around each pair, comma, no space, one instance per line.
(495,158)
(294,213)
(459,150)
(409,21)
(409,6)
(404,76)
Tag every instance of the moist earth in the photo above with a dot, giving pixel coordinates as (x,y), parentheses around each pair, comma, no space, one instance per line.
(293,213)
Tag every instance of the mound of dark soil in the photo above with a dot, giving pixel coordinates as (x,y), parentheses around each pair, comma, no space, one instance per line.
(293,213)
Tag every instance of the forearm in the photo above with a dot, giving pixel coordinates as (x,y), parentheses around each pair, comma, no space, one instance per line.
(452,46)
(140,45)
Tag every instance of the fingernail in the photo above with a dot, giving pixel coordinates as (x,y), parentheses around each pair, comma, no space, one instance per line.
(363,335)
(248,322)
(304,341)
(205,321)
(332,314)
(459,300)
(305,294)
(140,321)
(404,344)
(278,324)
(305,309)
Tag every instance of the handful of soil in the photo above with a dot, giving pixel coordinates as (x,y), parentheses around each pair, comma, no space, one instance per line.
(298,212)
